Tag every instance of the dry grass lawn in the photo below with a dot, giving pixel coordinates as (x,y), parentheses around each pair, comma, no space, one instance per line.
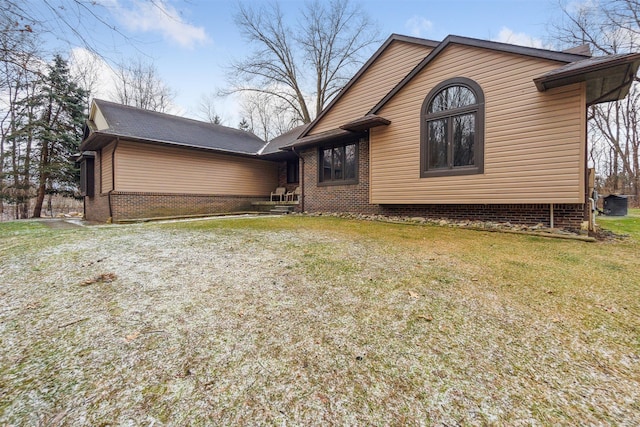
(315,321)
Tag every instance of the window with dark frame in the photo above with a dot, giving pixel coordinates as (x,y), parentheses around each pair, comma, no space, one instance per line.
(452,129)
(338,164)
(293,171)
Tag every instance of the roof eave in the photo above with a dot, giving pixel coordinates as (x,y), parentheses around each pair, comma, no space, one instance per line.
(606,81)
(98,140)
(365,123)
(321,138)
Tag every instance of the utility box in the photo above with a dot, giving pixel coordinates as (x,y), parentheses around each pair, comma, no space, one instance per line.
(616,205)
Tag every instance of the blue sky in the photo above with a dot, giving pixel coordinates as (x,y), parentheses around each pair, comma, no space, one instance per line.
(191,41)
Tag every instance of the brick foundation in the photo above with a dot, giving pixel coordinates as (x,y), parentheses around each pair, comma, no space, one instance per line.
(355,199)
(154,205)
(569,216)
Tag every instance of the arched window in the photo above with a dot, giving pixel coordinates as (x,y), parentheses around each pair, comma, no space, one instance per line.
(452,129)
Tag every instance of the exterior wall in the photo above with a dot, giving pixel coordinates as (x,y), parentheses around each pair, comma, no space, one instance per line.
(337,198)
(534,145)
(355,199)
(106,168)
(391,66)
(96,208)
(155,181)
(147,168)
(568,216)
(282,177)
(154,205)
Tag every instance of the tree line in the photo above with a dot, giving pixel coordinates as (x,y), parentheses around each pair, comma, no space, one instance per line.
(44,102)
(610,27)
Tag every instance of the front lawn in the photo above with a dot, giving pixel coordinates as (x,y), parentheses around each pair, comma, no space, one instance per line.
(316,321)
(626,225)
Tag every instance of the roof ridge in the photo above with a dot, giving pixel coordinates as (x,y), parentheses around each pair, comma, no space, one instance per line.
(168,115)
(516,48)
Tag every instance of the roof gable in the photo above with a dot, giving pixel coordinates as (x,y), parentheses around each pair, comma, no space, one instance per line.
(562,57)
(424,45)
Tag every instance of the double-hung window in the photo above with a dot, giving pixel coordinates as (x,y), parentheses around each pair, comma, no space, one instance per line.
(452,129)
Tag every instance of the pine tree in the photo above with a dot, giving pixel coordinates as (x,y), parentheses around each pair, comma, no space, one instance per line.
(244,125)
(58,131)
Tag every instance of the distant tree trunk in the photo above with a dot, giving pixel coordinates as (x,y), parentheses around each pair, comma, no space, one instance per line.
(43,179)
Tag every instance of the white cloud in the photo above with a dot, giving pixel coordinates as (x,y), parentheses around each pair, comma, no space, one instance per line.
(160,17)
(93,73)
(418,25)
(506,35)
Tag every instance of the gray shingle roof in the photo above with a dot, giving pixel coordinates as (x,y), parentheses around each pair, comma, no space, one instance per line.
(284,140)
(125,121)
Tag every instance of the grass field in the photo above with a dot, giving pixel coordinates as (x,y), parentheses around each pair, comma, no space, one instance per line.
(317,321)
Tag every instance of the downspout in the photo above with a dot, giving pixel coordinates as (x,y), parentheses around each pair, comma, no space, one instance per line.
(113,177)
(551,215)
(301,178)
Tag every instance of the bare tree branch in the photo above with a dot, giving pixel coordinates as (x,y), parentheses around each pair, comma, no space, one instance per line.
(301,66)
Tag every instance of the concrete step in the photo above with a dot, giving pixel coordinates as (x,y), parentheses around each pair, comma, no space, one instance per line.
(282,210)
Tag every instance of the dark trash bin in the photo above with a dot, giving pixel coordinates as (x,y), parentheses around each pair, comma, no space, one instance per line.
(615,205)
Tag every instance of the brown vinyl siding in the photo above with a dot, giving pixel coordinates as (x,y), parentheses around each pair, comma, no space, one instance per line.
(152,168)
(106,168)
(392,65)
(534,142)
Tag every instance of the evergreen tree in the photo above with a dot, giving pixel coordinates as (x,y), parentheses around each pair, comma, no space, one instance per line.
(244,125)
(58,131)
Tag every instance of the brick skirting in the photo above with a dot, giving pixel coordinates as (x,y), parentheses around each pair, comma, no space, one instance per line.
(154,205)
(568,216)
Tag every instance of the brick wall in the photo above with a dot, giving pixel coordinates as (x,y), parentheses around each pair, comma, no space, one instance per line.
(282,177)
(355,198)
(154,205)
(337,198)
(97,208)
(565,215)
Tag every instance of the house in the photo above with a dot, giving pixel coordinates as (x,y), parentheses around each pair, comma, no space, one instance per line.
(462,128)
(140,164)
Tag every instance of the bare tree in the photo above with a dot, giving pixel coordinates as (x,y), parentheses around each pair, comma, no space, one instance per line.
(139,85)
(207,109)
(610,27)
(302,67)
(268,117)
(86,70)
(19,72)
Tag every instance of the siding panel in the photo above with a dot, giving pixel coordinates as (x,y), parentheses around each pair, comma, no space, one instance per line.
(534,142)
(106,168)
(152,168)
(393,64)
